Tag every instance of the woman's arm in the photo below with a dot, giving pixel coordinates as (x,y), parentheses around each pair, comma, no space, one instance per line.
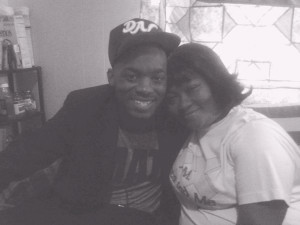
(262,213)
(264,172)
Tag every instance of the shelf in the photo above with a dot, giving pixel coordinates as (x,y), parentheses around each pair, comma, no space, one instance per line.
(20,80)
(20,70)
(26,116)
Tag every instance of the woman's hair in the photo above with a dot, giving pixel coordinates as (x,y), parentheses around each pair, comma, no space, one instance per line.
(202,60)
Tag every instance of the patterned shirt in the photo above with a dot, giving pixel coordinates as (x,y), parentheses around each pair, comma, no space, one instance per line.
(136,174)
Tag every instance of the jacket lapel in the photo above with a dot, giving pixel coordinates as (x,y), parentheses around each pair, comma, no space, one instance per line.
(96,157)
(104,134)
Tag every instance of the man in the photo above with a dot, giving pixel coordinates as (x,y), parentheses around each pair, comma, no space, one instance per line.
(116,142)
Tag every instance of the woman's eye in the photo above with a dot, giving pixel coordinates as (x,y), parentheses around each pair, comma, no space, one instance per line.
(193,87)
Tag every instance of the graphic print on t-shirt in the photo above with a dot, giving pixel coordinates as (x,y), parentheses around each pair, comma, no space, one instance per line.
(135,179)
(136,159)
(191,177)
(187,173)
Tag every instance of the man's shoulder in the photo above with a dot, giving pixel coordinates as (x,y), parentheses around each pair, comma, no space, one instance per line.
(100,90)
(88,95)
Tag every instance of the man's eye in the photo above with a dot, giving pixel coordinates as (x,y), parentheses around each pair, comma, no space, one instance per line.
(159,78)
(130,77)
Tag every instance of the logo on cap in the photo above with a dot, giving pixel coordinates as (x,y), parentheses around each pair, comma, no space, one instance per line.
(135,26)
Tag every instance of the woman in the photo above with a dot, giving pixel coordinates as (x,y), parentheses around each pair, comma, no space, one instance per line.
(237,166)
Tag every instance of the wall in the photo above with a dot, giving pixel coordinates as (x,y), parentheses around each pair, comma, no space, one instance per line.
(4,2)
(70,41)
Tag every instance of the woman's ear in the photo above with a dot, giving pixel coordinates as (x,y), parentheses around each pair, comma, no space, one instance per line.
(110,76)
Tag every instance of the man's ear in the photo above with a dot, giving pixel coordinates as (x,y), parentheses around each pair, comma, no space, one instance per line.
(110,77)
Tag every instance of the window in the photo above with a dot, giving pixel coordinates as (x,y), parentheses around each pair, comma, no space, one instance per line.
(258,41)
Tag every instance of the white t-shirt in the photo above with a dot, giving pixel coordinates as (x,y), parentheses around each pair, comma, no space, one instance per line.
(244,158)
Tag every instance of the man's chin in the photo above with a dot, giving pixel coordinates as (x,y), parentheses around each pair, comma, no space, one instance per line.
(142,115)
(137,121)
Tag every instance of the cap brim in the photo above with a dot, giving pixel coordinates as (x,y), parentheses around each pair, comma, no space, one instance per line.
(167,41)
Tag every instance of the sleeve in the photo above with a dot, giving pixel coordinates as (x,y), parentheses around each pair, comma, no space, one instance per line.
(263,163)
(35,150)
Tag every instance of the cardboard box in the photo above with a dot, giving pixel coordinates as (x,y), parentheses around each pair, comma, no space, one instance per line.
(22,40)
(12,29)
(24,11)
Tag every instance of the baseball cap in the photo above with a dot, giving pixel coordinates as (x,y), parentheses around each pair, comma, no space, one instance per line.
(139,31)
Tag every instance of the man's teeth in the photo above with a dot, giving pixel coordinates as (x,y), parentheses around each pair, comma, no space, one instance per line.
(143,103)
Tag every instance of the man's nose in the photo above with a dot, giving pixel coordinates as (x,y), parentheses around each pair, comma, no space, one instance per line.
(144,86)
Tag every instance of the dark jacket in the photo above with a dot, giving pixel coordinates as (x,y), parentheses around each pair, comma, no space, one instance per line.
(84,133)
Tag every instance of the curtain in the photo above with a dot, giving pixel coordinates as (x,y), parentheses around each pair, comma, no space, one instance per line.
(257,39)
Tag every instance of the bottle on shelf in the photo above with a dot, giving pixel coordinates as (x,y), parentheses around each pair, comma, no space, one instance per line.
(19,105)
(29,101)
(6,101)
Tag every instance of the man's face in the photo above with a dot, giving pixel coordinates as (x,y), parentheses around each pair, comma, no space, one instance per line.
(140,81)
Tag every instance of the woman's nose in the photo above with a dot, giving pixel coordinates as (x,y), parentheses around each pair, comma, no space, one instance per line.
(184,100)
(178,102)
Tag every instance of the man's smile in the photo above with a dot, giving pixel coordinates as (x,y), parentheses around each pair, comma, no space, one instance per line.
(143,104)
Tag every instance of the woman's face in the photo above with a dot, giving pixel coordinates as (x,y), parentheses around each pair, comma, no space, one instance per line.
(192,101)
